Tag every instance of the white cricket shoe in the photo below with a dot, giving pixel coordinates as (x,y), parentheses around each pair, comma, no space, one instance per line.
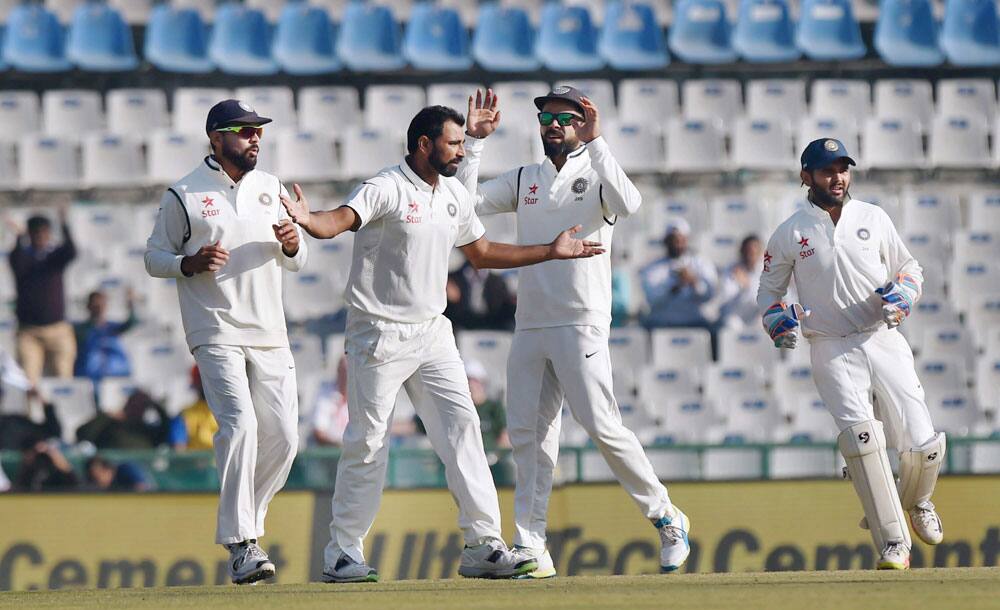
(248,563)
(492,559)
(895,556)
(348,570)
(926,523)
(545,569)
(674,545)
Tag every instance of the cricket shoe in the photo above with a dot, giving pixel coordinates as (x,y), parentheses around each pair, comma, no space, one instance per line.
(926,523)
(674,545)
(348,570)
(545,569)
(492,559)
(248,563)
(895,556)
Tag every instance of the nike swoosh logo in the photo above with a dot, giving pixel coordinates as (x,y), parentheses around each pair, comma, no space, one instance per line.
(589,355)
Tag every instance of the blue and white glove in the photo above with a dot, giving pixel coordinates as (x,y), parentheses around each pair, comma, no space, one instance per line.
(898,298)
(782,322)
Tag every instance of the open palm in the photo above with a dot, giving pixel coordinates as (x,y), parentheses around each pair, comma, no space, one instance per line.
(566,246)
(483,117)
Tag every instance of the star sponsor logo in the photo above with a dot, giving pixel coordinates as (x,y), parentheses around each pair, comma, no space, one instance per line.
(803,244)
(413,213)
(207,203)
(767,261)
(533,189)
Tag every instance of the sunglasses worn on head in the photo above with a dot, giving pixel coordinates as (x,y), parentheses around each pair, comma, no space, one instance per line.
(244,131)
(564,118)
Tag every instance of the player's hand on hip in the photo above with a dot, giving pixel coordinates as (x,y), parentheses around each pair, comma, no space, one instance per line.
(483,116)
(782,323)
(298,210)
(566,246)
(898,298)
(287,235)
(208,258)
(590,129)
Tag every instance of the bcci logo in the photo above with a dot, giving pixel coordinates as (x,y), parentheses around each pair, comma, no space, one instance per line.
(831,145)
(264,199)
(245,107)
(452,210)
(863,234)
(580,186)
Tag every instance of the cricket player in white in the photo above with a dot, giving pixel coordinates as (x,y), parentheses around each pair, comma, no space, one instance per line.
(857,282)
(224,235)
(560,346)
(408,218)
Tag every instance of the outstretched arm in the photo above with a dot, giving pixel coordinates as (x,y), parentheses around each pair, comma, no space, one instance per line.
(321,225)
(485,254)
(499,194)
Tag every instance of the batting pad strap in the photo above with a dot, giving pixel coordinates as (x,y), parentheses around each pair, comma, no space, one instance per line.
(863,448)
(918,471)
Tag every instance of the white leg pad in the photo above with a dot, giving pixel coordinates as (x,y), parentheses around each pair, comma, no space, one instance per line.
(918,471)
(863,447)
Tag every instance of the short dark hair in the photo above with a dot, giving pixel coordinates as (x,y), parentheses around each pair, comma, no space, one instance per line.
(746,240)
(430,122)
(37,223)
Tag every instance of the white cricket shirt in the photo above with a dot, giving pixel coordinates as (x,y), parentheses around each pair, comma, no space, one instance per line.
(239,304)
(399,269)
(590,190)
(836,267)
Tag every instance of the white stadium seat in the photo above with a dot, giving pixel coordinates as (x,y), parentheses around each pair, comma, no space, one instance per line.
(507,148)
(935,211)
(366,151)
(942,374)
(599,91)
(949,340)
(333,257)
(306,156)
(275,102)
(954,413)
(136,112)
(959,142)
(712,100)
(173,155)
(778,99)
(638,148)
(814,127)
(629,347)
(929,312)
(392,107)
(113,161)
(100,225)
(517,104)
(191,106)
(736,211)
(647,100)
(747,345)
(491,349)
(811,420)
(8,165)
(692,206)
(73,400)
(762,144)
(723,380)
(682,347)
(970,277)
(988,382)
(310,294)
(984,206)
(790,378)
(71,113)
(983,313)
(893,143)
(329,109)
(721,248)
(978,244)
(687,418)
(695,145)
(454,95)
(307,350)
(749,418)
(662,382)
(841,98)
(48,163)
(905,97)
(19,113)
(969,97)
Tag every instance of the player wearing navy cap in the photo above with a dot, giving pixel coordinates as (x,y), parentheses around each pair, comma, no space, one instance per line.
(857,282)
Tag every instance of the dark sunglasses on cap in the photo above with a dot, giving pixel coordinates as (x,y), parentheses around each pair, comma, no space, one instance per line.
(244,131)
(564,118)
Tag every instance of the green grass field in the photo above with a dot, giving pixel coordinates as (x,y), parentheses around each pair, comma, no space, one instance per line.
(941,589)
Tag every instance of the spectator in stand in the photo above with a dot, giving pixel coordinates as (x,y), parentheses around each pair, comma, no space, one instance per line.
(195,427)
(45,342)
(329,413)
(128,428)
(678,286)
(738,290)
(104,475)
(100,352)
(479,299)
(621,297)
(19,430)
(45,468)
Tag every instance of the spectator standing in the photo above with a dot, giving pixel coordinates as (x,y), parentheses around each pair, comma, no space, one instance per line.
(100,352)
(678,286)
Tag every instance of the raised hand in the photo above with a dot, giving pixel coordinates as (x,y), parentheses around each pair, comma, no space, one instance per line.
(566,246)
(298,210)
(483,117)
(208,258)
(288,236)
(590,129)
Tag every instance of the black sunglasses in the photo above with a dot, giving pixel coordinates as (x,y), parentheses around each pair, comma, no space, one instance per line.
(564,118)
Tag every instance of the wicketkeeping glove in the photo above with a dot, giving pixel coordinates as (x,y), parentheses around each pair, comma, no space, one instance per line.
(781,322)
(898,298)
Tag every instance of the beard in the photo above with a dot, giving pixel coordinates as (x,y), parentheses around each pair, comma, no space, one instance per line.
(442,167)
(826,199)
(244,162)
(554,149)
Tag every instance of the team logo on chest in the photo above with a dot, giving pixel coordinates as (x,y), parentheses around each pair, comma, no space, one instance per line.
(264,199)
(580,186)
(208,208)
(532,190)
(413,213)
(452,210)
(804,250)
(864,234)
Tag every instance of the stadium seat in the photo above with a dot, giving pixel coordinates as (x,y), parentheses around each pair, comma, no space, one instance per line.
(435,39)
(844,129)
(111,160)
(762,144)
(712,99)
(954,413)
(976,245)
(155,358)
(951,340)
(929,312)
(113,393)
(969,97)
(274,102)
(306,156)
(638,148)
(369,39)
(369,150)
(517,99)
(687,418)
(191,106)
(19,113)
(942,374)
(506,149)
(907,98)
(629,347)
(930,211)
(241,41)
(749,418)
(970,33)
(176,40)
(970,277)
(723,380)
(906,34)
(647,100)
(631,38)
(453,95)
(8,173)
(62,9)
(828,31)
(810,419)
(692,206)
(701,33)
(173,155)
(765,32)
(305,40)
(984,208)
(504,39)
(695,146)
(393,106)
(959,142)
(567,41)
(599,91)
(136,111)
(47,163)
(659,383)
(307,351)
(99,40)
(736,211)
(893,144)
(73,400)
(843,100)
(310,294)
(681,347)
(747,346)
(330,109)
(790,379)
(721,248)
(71,113)
(491,349)
(34,40)
(988,383)
(775,98)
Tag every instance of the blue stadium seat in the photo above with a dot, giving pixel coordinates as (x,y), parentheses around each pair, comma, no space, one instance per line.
(305,41)
(567,42)
(100,40)
(241,41)
(35,40)
(970,35)
(177,40)
(701,33)
(435,39)
(907,34)
(631,38)
(369,39)
(3,64)
(828,31)
(504,40)
(765,32)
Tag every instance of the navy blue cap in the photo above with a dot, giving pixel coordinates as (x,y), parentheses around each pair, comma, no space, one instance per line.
(822,152)
(565,93)
(229,113)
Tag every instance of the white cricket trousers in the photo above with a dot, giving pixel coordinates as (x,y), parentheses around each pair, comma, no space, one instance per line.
(849,370)
(381,358)
(546,365)
(252,394)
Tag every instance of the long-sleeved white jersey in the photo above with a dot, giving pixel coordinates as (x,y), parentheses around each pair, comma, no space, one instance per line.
(241,303)
(836,267)
(591,190)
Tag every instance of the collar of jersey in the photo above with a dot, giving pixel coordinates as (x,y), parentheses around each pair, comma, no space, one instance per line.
(571,158)
(414,179)
(217,171)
